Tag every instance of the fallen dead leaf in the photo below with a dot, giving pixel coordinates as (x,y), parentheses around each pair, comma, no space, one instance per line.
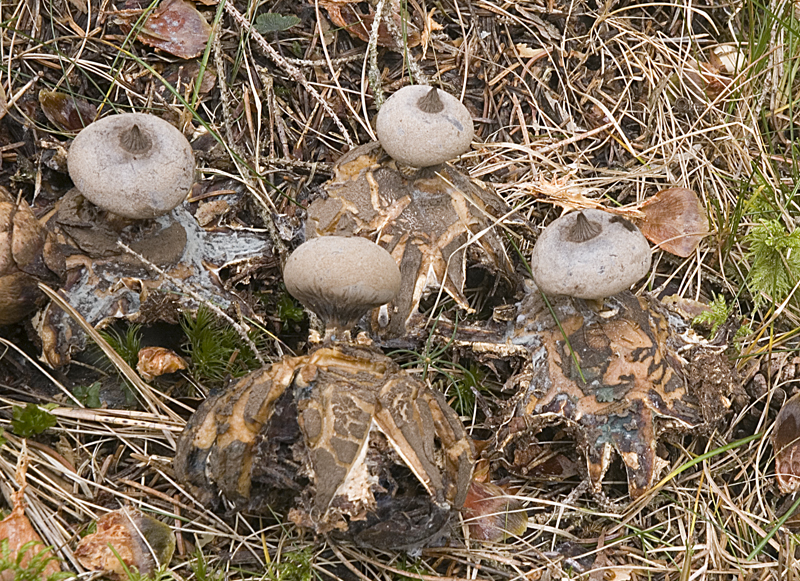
(675,221)
(128,537)
(175,26)
(18,529)
(67,112)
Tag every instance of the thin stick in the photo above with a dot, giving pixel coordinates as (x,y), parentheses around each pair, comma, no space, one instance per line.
(148,393)
(292,70)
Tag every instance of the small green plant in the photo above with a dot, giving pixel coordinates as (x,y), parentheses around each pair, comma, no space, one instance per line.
(288,310)
(88,395)
(292,566)
(719,313)
(216,350)
(275,22)
(32,570)
(127,344)
(717,316)
(201,570)
(774,256)
(31,420)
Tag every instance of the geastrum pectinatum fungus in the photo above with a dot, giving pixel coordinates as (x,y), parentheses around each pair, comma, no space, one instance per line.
(132,173)
(133,164)
(342,439)
(359,275)
(128,169)
(589,255)
(437,223)
(424,126)
(617,371)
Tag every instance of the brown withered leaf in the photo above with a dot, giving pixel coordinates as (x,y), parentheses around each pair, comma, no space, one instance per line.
(18,529)
(156,361)
(675,221)
(67,112)
(492,514)
(175,26)
(137,539)
(786,444)
(346,13)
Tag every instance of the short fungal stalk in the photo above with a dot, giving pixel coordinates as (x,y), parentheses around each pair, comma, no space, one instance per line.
(340,279)
(430,103)
(583,230)
(134,140)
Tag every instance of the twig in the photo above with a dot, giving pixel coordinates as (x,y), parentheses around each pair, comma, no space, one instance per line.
(374,74)
(292,70)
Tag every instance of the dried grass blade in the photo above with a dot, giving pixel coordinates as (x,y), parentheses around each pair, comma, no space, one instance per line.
(152,401)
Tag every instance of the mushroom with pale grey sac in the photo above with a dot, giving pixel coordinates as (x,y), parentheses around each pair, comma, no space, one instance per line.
(589,254)
(424,126)
(133,165)
(340,279)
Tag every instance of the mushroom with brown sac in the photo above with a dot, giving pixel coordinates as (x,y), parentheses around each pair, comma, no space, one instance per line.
(424,126)
(133,165)
(340,279)
(589,255)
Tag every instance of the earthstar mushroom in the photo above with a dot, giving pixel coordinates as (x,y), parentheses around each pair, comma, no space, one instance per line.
(134,165)
(341,278)
(589,254)
(424,126)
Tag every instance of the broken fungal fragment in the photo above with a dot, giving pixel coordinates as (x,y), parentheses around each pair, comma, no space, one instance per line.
(133,165)
(423,126)
(589,254)
(28,255)
(341,278)
(342,439)
(156,361)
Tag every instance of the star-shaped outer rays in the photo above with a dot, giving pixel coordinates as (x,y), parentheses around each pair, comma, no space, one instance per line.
(618,388)
(434,221)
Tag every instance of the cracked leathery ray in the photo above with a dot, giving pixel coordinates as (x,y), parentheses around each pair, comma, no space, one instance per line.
(630,373)
(341,439)
(435,222)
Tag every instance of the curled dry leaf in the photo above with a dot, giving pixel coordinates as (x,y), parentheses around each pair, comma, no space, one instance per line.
(156,361)
(66,112)
(175,26)
(674,220)
(140,541)
(786,444)
(491,514)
